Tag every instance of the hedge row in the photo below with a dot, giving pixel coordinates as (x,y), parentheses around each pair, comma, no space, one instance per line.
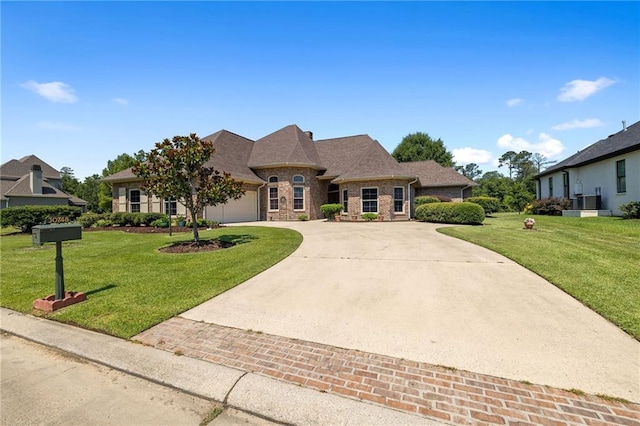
(489,204)
(26,217)
(425,199)
(88,220)
(550,206)
(459,213)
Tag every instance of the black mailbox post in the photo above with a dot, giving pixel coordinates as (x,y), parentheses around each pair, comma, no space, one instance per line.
(57,233)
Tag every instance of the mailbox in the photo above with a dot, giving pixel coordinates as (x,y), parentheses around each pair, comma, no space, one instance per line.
(53,233)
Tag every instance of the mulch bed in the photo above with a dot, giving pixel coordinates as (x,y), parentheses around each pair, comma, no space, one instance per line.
(193,247)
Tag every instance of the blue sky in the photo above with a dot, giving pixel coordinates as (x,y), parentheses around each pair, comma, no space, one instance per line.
(83,82)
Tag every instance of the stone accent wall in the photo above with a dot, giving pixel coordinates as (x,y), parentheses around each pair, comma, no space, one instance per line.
(315,193)
(385,199)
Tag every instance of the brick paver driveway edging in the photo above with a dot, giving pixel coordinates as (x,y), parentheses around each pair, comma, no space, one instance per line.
(436,392)
(404,290)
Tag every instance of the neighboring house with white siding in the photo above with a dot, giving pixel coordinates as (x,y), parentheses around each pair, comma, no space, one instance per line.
(600,177)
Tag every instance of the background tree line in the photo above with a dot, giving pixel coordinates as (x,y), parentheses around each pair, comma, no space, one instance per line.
(514,191)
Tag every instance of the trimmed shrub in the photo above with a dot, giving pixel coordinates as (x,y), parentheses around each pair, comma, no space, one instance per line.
(550,206)
(303,217)
(368,217)
(202,223)
(425,199)
(88,219)
(459,213)
(443,198)
(489,204)
(26,217)
(630,210)
(331,210)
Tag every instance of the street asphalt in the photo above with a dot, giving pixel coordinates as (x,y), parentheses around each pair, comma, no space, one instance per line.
(256,397)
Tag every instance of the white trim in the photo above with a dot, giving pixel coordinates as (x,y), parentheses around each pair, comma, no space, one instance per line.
(404,198)
(303,198)
(130,204)
(277,198)
(342,199)
(362,200)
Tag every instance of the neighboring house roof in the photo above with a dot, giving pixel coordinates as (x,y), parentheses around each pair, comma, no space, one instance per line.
(15,169)
(288,146)
(432,174)
(22,188)
(232,156)
(617,144)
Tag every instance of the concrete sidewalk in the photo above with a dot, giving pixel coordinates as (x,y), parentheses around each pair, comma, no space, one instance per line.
(262,396)
(404,290)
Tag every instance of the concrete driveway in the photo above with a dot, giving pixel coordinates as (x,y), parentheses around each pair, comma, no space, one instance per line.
(404,290)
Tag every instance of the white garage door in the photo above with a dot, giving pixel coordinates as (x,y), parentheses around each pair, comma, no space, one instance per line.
(243,210)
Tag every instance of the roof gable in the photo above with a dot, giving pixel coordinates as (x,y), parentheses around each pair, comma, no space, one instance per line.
(22,188)
(374,163)
(616,144)
(232,155)
(432,174)
(287,146)
(15,169)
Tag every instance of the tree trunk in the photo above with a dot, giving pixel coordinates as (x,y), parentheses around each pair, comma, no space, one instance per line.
(194,223)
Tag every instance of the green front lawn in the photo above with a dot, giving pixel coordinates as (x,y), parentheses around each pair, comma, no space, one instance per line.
(594,259)
(130,285)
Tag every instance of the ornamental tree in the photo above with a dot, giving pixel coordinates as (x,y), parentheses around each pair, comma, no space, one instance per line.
(177,169)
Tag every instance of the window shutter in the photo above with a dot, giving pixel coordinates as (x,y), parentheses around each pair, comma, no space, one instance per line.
(122,199)
(144,202)
(155,204)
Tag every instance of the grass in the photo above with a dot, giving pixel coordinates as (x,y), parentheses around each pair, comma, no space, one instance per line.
(130,285)
(594,259)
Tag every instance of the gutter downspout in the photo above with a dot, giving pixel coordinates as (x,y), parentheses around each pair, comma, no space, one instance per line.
(462,192)
(409,194)
(258,206)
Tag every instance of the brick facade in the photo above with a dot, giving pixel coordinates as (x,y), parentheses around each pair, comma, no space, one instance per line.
(385,199)
(456,193)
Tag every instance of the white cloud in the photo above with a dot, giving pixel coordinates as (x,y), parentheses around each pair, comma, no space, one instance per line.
(57,125)
(578,124)
(546,145)
(579,90)
(120,101)
(471,155)
(513,102)
(55,91)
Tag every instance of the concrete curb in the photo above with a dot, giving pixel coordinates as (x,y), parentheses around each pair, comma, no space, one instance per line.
(258,395)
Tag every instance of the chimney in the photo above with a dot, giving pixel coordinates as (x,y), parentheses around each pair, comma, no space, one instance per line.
(310,134)
(624,125)
(35,180)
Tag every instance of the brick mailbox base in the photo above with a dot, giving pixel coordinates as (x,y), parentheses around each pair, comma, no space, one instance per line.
(50,304)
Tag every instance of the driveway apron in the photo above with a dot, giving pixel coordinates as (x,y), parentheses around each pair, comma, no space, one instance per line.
(404,290)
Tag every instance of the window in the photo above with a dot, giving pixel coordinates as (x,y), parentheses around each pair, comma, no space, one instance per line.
(369,200)
(565,184)
(333,196)
(298,198)
(298,179)
(134,201)
(273,198)
(551,187)
(171,207)
(273,179)
(398,199)
(621,177)
(345,200)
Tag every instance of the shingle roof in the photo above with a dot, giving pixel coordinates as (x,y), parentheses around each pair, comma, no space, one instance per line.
(17,168)
(432,174)
(22,188)
(288,146)
(359,158)
(231,156)
(619,143)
